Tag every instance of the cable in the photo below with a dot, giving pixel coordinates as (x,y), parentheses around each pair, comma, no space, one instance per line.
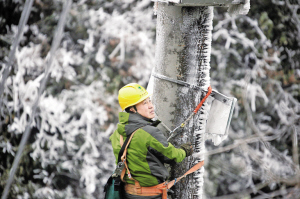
(11,56)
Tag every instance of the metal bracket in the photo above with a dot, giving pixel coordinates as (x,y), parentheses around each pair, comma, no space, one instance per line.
(215,94)
(119,169)
(222,98)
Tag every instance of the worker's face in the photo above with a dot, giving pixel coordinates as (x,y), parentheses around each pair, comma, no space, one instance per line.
(146,108)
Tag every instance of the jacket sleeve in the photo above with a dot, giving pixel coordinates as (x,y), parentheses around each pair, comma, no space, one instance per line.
(115,142)
(162,149)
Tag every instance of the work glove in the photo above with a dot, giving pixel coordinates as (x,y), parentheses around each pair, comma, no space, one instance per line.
(188,148)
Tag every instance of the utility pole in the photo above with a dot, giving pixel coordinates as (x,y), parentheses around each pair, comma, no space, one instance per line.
(183,43)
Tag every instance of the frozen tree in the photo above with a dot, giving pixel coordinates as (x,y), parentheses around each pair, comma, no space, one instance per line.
(68,154)
(261,72)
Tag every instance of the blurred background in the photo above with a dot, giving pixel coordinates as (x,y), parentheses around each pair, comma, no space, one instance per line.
(109,43)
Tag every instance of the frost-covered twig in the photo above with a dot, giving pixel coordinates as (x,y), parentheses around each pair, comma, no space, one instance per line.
(260,186)
(295,146)
(275,167)
(243,193)
(295,15)
(288,193)
(237,143)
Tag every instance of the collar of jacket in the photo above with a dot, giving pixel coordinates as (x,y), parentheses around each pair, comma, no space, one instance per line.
(129,122)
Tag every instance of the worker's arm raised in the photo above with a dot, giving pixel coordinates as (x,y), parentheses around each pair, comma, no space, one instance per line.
(164,150)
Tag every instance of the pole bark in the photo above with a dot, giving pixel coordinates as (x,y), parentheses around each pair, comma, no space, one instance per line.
(183,42)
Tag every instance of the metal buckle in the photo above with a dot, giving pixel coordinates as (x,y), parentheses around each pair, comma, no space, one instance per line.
(119,169)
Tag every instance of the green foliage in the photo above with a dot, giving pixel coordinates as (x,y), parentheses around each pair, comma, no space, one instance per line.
(266,25)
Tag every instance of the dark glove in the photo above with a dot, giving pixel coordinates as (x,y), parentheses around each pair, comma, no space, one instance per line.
(188,148)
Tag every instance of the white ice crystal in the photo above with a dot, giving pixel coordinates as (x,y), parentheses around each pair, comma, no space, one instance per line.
(239,9)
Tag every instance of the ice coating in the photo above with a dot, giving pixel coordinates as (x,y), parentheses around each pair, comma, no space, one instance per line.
(242,9)
(204,82)
(183,48)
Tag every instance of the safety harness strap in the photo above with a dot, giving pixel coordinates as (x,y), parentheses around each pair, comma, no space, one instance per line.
(123,156)
(192,170)
(123,145)
(136,189)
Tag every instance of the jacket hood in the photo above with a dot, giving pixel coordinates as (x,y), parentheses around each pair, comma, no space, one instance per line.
(129,122)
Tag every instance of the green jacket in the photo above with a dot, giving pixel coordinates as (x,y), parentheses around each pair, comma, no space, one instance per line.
(148,149)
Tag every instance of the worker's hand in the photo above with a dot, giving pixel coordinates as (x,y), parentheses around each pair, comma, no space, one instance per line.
(188,148)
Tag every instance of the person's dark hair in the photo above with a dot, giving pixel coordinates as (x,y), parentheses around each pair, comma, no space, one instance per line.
(128,109)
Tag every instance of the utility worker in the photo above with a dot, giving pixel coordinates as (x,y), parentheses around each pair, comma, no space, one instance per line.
(148,149)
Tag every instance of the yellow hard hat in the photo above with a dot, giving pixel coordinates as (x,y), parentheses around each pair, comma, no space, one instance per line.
(132,94)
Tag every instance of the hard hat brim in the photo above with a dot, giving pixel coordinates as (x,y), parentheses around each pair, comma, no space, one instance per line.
(140,100)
